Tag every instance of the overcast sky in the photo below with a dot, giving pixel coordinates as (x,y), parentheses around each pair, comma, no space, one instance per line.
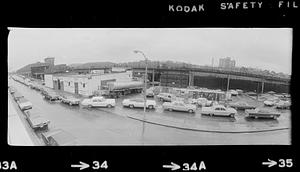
(262,48)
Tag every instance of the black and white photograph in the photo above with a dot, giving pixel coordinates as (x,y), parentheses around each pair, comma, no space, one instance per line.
(149,86)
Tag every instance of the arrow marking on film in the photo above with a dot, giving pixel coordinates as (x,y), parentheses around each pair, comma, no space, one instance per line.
(173,166)
(270,163)
(82,165)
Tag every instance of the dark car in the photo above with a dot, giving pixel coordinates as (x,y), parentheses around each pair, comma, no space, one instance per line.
(58,137)
(241,106)
(262,113)
(36,120)
(49,95)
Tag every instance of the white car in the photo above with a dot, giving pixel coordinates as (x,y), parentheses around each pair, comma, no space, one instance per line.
(271,102)
(283,104)
(179,106)
(69,100)
(99,102)
(201,102)
(218,110)
(139,102)
(165,97)
(149,93)
(233,92)
(24,104)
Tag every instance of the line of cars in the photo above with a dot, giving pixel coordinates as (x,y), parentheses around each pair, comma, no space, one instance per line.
(171,103)
(37,121)
(214,109)
(278,103)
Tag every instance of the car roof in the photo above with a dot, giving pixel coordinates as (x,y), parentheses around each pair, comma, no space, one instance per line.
(33,112)
(23,100)
(63,138)
(219,106)
(140,99)
(38,119)
(17,94)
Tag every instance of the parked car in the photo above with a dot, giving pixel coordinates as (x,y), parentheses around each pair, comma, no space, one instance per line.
(262,113)
(283,105)
(233,92)
(149,93)
(58,137)
(201,102)
(218,110)
(30,85)
(24,104)
(99,102)
(17,96)
(12,90)
(166,97)
(271,102)
(241,106)
(139,103)
(69,100)
(251,93)
(239,91)
(179,106)
(35,120)
(50,95)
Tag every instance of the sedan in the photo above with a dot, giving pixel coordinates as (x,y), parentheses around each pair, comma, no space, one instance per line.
(69,100)
(36,121)
(17,96)
(24,104)
(139,103)
(201,102)
(179,106)
(241,106)
(262,113)
(218,110)
(283,105)
(58,137)
(271,102)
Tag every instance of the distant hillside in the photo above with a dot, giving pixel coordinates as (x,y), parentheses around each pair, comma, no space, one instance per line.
(27,68)
(94,64)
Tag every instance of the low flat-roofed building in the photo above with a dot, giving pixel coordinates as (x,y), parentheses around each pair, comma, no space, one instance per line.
(86,84)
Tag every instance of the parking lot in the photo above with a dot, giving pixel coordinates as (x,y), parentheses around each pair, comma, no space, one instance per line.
(125,126)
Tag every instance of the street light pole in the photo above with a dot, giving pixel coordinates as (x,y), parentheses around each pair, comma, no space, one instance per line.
(145,88)
(145,78)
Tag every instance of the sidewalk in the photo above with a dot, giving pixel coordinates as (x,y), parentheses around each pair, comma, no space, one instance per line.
(17,134)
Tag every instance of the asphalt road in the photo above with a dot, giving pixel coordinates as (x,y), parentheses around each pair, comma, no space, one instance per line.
(102,126)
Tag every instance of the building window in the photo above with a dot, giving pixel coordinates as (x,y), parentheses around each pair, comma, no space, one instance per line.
(83,85)
(69,83)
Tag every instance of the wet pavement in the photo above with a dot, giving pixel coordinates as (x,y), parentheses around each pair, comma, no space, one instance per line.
(102,126)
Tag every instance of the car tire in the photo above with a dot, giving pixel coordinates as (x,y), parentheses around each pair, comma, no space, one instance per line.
(150,107)
(70,104)
(190,111)
(231,115)
(89,106)
(131,106)
(109,105)
(170,109)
